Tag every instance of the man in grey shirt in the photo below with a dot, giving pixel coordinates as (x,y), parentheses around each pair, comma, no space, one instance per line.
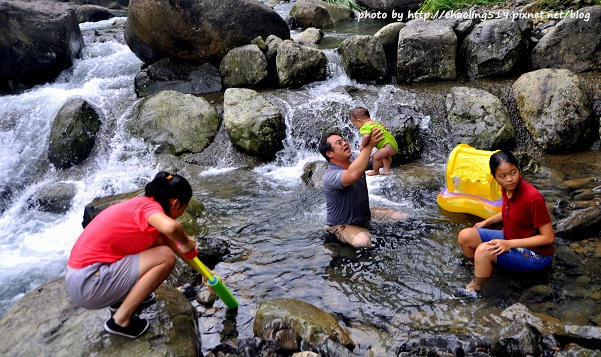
(345,190)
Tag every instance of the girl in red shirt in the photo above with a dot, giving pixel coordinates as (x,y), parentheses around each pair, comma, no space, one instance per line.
(126,252)
(526,241)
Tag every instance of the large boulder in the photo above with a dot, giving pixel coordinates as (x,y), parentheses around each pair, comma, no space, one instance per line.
(363,58)
(318,13)
(389,37)
(177,75)
(493,48)
(404,124)
(38,40)
(45,322)
(245,67)
(198,31)
(572,44)
(111,4)
(298,65)
(99,204)
(310,36)
(73,133)
(556,110)
(581,223)
(254,125)
(54,198)
(390,5)
(478,118)
(310,323)
(94,13)
(518,338)
(178,123)
(427,51)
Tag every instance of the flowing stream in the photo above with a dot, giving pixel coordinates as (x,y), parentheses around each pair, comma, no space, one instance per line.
(405,287)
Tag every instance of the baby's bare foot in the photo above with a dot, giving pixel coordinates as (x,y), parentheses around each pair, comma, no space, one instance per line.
(372,173)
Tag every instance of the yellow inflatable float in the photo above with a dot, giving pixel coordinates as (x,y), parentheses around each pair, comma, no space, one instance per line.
(469,185)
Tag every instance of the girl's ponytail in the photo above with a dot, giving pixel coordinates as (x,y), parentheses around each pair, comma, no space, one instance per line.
(165,186)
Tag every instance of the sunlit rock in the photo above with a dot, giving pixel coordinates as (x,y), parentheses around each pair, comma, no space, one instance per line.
(310,36)
(389,37)
(478,118)
(199,31)
(363,58)
(556,110)
(244,67)
(178,123)
(254,125)
(318,13)
(574,43)
(311,324)
(298,65)
(45,322)
(426,52)
(494,48)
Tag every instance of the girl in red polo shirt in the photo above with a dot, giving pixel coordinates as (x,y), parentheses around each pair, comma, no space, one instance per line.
(126,252)
(526,241)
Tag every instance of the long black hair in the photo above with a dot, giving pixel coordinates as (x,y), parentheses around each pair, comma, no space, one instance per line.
(500,157)
(165,186)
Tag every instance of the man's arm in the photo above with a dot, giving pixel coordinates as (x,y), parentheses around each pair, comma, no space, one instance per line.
(358,167)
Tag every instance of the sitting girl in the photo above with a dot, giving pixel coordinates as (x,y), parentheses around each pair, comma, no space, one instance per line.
(526,241)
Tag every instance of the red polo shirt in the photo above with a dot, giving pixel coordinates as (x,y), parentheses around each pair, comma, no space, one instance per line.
(121,229)
(523,213)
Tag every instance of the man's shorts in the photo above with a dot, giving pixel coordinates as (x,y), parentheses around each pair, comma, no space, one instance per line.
(347,233)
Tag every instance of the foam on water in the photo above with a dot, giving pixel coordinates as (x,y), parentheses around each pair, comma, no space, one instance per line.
(34,245)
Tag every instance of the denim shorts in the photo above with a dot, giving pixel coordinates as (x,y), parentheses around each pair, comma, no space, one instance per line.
(518,259)
(100,285)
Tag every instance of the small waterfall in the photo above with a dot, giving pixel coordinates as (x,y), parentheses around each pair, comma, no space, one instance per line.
(35,244)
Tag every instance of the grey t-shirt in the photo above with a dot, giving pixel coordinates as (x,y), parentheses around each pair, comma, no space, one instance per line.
(345,205)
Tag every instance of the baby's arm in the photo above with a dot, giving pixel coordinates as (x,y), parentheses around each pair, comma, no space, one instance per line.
(364,141)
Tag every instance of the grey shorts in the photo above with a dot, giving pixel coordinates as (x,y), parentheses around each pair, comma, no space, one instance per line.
(100,285)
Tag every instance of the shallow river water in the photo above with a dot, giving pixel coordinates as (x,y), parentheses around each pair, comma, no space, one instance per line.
(406,287)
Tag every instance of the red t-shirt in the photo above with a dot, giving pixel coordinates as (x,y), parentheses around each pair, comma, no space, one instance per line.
(119,230)
(523,213)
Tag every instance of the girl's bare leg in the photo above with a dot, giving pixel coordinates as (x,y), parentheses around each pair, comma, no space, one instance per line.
(469,240)
(155,266)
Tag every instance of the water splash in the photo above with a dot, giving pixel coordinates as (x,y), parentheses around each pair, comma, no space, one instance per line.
(35,244)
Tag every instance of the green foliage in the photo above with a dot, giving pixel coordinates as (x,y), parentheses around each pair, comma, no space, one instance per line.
(565,4)
(445,5)
(351,4)
(432,6)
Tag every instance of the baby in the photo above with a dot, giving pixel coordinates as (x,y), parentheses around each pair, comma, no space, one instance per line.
(387,147)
